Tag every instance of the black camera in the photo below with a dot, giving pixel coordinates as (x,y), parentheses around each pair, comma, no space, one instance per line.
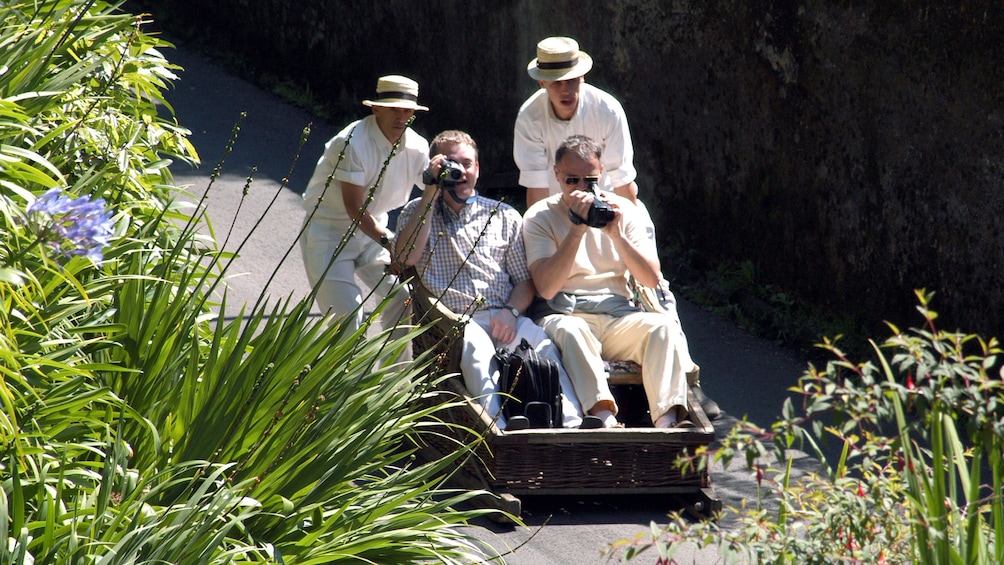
(451,173)
(600,213)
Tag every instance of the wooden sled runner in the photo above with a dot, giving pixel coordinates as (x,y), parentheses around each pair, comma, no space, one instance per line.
(557,461)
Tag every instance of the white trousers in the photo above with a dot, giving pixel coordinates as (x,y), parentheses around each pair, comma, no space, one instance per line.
(481,373)
(337,290)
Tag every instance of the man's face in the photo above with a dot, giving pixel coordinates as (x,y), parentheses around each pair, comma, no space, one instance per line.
(564,95)
(466,157)
(392,121)
(576,170)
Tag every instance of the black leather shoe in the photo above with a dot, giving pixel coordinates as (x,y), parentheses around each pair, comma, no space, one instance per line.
(591,423)
(710,407)
(517,423)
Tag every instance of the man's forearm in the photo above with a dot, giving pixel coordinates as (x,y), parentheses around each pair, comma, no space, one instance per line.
(413,237)
(550,273)
(368,226)
(645,269)
(522,295)
(353,197)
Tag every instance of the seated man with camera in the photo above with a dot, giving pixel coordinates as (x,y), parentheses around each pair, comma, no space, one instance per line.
(582,247)
(468,251)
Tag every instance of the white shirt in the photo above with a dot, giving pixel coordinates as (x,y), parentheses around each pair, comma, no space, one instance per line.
(365,154)
(539,132)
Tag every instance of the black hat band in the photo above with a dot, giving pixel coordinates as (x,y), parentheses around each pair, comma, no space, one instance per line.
(401,95)
(558,65)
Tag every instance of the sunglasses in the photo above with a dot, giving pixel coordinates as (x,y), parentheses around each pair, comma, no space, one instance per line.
(572,181)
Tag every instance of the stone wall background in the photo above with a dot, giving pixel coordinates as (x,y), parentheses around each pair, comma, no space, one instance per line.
(853,151)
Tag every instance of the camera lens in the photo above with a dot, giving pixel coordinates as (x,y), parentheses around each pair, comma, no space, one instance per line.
(451,172)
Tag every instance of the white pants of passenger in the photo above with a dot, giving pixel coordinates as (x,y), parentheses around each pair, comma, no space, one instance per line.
(338,292)
(481,373)
(647,338)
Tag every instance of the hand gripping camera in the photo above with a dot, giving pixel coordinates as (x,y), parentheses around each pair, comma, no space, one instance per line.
(600,213)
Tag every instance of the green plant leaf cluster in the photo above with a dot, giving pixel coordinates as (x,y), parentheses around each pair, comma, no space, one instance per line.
(917,475)
(137,426)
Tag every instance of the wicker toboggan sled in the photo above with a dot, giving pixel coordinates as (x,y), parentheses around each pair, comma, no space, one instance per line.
(630,460)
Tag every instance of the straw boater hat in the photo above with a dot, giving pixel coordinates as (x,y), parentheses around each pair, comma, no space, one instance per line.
(559,58)
(396,91)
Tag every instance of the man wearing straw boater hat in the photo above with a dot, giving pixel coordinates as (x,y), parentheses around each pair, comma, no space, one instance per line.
(351,168)
(565,106)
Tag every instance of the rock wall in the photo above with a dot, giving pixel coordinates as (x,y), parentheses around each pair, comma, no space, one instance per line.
(851,150)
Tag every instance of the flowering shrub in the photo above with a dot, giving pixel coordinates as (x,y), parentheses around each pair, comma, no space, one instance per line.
(137,425)
(920,472)
(71,226)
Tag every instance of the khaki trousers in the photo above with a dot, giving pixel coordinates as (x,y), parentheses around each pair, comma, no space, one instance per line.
(335,276)
(647,338)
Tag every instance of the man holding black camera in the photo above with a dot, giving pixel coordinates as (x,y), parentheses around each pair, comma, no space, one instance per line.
(566,105)
(582,246)
(468,251)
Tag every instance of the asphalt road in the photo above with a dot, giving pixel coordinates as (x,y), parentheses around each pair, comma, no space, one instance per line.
(746,375)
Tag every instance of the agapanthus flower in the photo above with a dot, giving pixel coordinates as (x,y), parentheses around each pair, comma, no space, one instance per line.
(71,226)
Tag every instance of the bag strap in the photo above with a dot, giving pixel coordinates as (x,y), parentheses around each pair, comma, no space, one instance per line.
(646,298)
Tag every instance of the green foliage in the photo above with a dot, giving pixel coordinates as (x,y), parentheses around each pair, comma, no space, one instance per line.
(919,476)
(738,291)
(137,426)
(298,94)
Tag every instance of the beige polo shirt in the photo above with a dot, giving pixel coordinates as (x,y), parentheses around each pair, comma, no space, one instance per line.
(598,267)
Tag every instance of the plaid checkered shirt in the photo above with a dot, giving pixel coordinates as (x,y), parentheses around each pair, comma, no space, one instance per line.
(475,254)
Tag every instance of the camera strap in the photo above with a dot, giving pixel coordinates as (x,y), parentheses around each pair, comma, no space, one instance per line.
(453,195)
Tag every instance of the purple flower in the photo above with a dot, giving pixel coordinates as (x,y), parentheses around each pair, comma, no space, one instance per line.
(72,226)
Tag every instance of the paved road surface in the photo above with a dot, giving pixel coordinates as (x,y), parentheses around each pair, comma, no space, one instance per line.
(748,376)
